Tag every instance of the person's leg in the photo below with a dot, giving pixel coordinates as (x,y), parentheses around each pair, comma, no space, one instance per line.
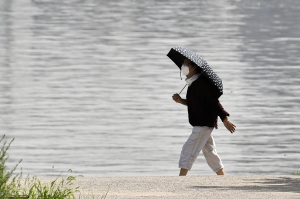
(192,148)
(212,158)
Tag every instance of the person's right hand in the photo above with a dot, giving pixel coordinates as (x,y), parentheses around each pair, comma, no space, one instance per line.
(177,98)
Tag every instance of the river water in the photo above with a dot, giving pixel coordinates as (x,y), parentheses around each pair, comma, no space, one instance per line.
(86,84)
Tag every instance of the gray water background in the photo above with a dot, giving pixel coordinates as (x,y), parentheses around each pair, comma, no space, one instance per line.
(86,84)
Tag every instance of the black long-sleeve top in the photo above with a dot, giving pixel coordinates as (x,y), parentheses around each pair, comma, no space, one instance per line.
(203,106)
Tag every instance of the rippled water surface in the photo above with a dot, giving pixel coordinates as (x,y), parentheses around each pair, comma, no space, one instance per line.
(86,84)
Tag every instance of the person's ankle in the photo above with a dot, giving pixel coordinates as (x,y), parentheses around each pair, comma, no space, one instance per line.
(220,172)
(183,172)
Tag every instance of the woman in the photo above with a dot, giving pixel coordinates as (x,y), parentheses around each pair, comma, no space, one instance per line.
(203,110)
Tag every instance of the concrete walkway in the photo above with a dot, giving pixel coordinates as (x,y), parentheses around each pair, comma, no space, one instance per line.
(267,187)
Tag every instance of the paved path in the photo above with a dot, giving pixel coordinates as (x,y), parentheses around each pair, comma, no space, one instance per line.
(240,187)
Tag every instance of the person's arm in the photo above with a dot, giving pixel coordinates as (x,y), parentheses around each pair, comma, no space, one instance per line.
(178,99)
(213,100)
(224,117)
(221,112)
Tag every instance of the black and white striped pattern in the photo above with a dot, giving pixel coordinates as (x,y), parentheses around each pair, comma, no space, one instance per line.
(194,57)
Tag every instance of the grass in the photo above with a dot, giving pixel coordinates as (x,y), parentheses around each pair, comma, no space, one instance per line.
(7,181)
(297,173)
(13,186)
(60,188)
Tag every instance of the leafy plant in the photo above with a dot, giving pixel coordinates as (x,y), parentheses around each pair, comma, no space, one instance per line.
(12,186)
(8,185)
(60,188)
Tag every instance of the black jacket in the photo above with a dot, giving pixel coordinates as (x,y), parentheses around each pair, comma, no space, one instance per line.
(203,106)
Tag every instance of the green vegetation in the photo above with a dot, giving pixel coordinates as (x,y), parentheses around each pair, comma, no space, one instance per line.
(60,188)
(13,186)
(8,185)
(297,173)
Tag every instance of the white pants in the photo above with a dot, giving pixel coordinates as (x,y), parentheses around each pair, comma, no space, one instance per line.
(200,139)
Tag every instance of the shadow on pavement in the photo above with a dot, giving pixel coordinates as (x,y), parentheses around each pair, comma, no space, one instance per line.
(280,184)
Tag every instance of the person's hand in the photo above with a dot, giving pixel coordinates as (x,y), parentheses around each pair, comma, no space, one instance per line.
(177,98)
(229,125)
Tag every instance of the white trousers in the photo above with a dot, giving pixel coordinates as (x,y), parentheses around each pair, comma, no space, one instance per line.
(200,139)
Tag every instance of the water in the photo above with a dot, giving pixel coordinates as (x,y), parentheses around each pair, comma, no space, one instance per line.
(87,85)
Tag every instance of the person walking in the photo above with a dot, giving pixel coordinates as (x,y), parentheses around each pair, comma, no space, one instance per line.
(203,110)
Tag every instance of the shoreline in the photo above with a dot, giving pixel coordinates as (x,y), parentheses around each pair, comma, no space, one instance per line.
(175,187)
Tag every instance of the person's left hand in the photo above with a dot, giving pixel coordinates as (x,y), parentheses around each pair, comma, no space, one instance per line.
(229,125)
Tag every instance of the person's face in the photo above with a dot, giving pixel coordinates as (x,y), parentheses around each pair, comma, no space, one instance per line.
(187,63)
(191,68)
